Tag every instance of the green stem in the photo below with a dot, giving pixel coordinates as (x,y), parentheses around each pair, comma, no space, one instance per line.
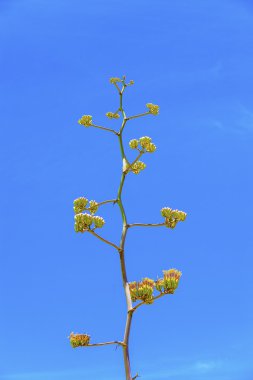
(104,240)
(105,129)
(109,201)
(105,344)
(120,203)
(131,165)
(144,303)
(141,114)
(146,225)
(122,249)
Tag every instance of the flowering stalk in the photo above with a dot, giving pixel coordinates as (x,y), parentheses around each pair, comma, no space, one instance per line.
(143,290)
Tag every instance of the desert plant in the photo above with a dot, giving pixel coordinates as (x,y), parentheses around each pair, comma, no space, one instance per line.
(142,292)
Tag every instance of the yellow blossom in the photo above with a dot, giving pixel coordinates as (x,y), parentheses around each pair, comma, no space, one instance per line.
(85,120)
(153,108)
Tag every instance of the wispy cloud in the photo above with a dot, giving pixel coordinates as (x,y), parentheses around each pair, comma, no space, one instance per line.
(205,366)
(241,122)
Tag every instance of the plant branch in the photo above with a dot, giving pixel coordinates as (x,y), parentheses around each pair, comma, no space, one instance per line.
(105,344)
(143,303)
(109,201)
(104,240)
(137,158)
(115,84)
(139,115)
(105,129)
(146,225)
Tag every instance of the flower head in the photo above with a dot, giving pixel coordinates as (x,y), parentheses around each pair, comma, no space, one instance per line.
(133,287)
(159,284)
(137,167)
(145,141)
(166,212)
(171,279)
(142,290)
(93,207)
(98,221)
(172,217)
(112,115)
(79,340)
(133,144)
(80,204)
(115,80)
(151,148)
(153,108)
(146,289)
(85,120)
(83,222)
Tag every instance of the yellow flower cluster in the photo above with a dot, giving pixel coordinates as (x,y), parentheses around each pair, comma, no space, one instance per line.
(85,120)
(172,217)
(137,167)
(145,143)
(142,290)
(169,282)
(98,221)
(83,222)
(93,207)
(81,203)
(153,108)
(112,115)
(79,340)
(134,143)
(115,80)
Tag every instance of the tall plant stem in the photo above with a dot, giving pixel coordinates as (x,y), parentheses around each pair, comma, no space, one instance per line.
(122,250)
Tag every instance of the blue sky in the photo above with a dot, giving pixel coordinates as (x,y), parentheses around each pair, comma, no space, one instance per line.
(193,58)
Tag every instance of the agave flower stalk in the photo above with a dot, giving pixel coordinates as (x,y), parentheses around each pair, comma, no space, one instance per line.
(142,291)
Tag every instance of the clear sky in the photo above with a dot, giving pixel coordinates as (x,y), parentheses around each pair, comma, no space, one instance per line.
(194,59)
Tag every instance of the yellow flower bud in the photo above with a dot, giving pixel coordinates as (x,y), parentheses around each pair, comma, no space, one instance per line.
(159,284)
(93,207)
(85,120)
(115,80)
(142,290)
(137,167)
(133,287)
(112,115)
(151,148)
(98,221)
(146,289)
(171,280)
(133,144)
(79,340)
(166,212)
(171,223)
(82,222)
(182,216)
(153,108)
(79,204)
(144,141)
(172,217)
